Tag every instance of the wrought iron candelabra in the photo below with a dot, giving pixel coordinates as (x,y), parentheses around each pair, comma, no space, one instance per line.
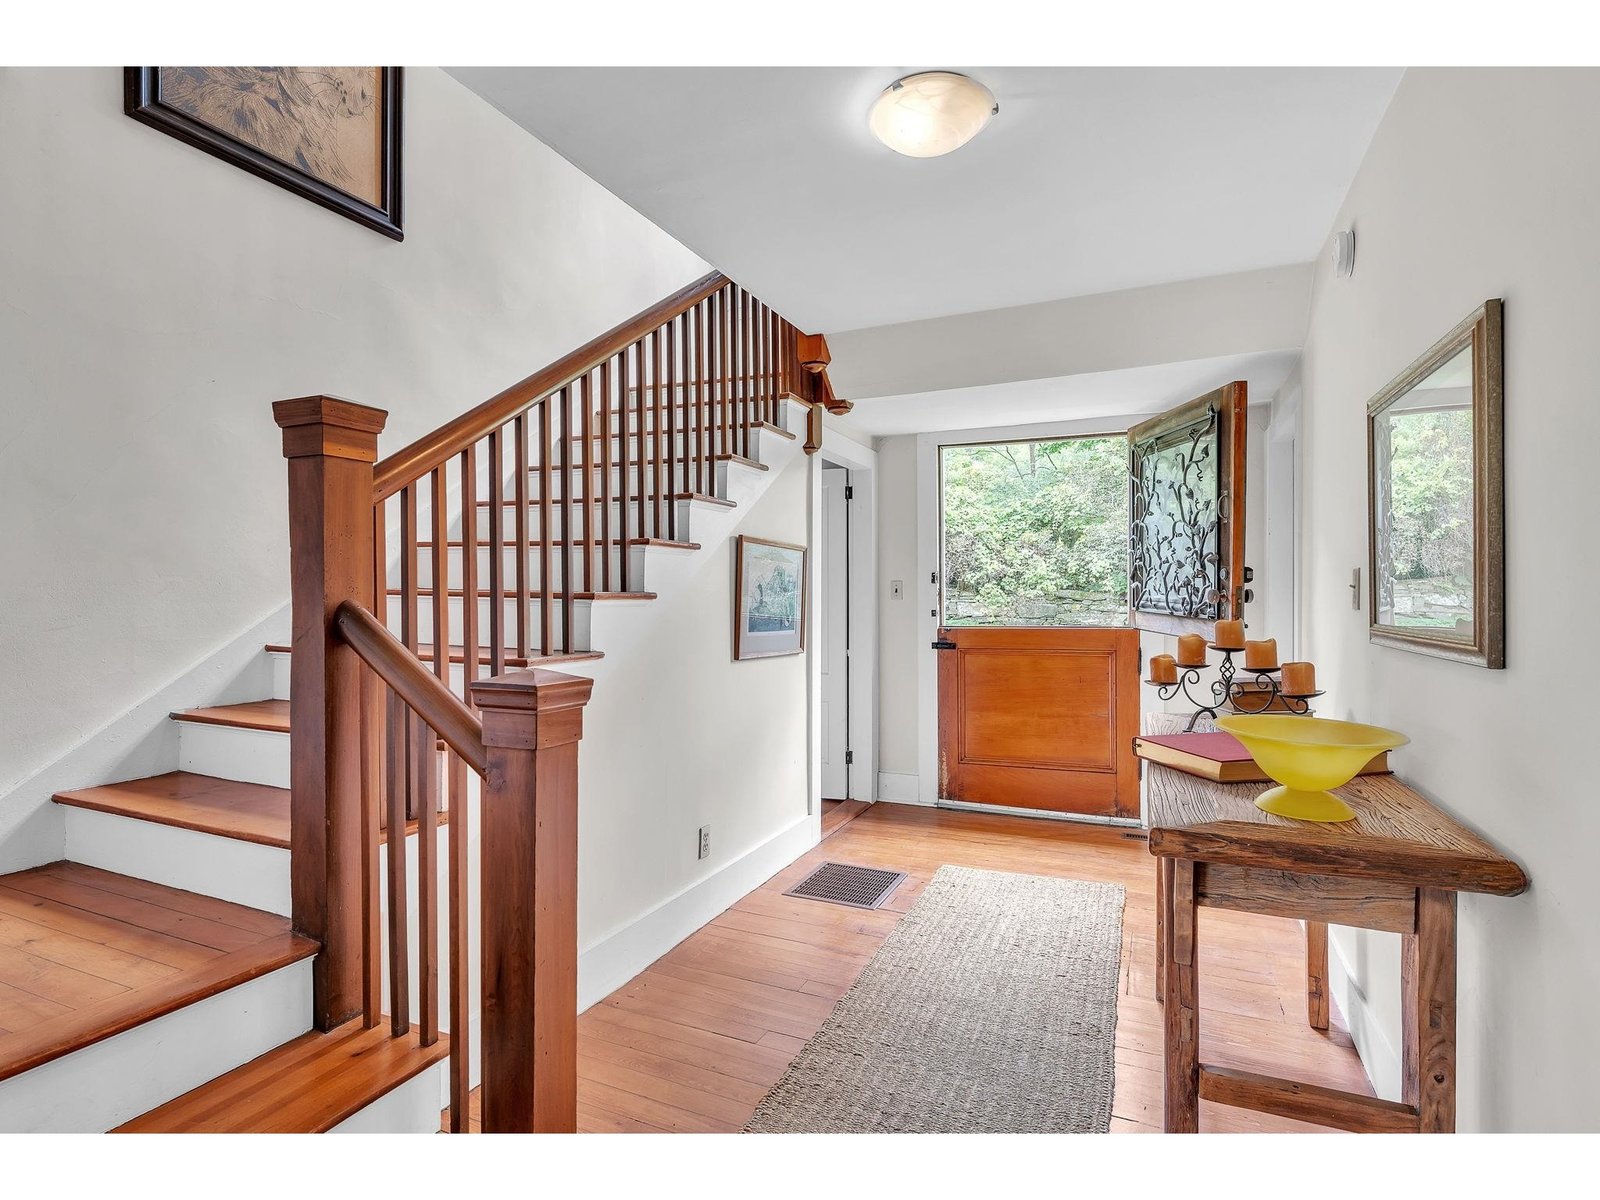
(1266,695)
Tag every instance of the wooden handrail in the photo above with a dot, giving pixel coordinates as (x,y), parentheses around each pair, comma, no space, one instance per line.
(433,449)
(423,691)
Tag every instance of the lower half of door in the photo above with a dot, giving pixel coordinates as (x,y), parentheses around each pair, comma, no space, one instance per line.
(1040,719)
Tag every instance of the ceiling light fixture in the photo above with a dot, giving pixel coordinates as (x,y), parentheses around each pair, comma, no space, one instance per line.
(931,113)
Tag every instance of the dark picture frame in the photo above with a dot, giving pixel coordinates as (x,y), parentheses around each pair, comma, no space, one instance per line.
(1484,645)
(749,642)
(142,100)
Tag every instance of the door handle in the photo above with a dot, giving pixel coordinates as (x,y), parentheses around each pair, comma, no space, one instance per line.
(943,644)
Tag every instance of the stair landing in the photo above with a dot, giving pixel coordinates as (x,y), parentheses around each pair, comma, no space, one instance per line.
(86,954)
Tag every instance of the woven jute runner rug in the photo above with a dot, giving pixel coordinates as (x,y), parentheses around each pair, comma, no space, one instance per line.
(990,1008)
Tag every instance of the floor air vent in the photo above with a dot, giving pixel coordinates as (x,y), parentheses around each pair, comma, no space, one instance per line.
(840,883)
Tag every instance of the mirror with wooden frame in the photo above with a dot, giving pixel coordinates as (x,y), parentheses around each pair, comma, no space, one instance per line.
(1435,500)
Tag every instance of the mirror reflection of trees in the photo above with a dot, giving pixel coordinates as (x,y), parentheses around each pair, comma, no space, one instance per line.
(1427,527)
(1036,533)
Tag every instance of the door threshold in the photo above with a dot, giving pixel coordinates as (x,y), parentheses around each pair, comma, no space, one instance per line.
(845,812)
(1040,814)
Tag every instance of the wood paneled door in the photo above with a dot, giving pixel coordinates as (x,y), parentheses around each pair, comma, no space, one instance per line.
(1040,718)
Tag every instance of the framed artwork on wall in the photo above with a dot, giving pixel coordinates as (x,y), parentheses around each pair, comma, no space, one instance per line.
(330,134)
(769,598)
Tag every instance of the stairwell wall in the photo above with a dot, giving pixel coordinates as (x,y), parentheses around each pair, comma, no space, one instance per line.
(155,300)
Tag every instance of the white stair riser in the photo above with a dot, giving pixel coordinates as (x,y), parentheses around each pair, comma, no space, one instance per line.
(101,1086)
(280,675)
(227,752)
(620,527)
(578,643)
(687,412)
(639,561)
(413,1107)
(280,668)
(679,442)
(229,869)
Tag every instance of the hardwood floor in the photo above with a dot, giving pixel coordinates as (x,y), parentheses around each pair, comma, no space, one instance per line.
(838,813)
(694,1042)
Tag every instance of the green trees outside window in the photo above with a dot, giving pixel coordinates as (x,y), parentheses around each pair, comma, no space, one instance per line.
(1036,533)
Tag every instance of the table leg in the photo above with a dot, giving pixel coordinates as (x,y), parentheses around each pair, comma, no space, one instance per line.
(1181,1012)
(1163,885)
(1317,974)
(1428,1012)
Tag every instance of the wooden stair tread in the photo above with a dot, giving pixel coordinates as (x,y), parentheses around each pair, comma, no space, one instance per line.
(767,426)
(458,654)
(555,468)
(269,715)
(247,812)
(534,594)
(308,1085)
(532,542)
(87,954)
(742,461)
(718,500)
(533,501)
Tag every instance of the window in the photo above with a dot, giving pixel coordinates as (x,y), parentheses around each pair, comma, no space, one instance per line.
(1035,533)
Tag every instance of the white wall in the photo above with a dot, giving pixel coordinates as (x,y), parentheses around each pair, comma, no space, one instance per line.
(1169,323)
(157,300)
(1480,183)
(677,736)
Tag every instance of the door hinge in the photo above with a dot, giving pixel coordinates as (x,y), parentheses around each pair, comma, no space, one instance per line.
(849,492)
(849,757)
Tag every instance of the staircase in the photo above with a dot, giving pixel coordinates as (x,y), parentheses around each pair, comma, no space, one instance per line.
(281,935)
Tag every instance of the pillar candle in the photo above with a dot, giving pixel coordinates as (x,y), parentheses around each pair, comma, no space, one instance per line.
(1163,669)
(1230,635)
(1299,679)
(1191,650)
(1258,656)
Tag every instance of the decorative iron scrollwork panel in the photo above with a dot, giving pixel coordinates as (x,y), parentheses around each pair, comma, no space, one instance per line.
(1178,509)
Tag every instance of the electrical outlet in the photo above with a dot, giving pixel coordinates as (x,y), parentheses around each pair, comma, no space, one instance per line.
(705,841)
(897,589)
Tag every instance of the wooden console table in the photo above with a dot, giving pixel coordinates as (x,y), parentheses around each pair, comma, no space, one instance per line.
(1397,867)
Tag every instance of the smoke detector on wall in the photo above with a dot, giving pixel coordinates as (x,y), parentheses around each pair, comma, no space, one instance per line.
(1344,253)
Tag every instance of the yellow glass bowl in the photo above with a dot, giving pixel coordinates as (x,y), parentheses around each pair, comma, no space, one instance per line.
(1307,756)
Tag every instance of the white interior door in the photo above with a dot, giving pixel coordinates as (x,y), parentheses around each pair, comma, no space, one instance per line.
(835,594)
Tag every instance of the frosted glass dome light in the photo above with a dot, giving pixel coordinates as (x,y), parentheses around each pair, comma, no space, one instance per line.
(931,113)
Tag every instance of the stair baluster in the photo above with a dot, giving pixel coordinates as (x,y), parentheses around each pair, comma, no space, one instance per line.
(668,396)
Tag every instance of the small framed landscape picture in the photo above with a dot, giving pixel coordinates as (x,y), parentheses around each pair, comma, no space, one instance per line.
(769,587)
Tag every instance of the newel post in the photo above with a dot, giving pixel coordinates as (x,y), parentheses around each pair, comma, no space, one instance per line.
(331,446)
(532,722)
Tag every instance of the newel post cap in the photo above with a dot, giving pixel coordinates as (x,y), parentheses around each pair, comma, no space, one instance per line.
(329,427)
(532,709)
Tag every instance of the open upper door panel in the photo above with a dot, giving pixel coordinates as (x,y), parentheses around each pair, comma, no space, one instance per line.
(1186,514)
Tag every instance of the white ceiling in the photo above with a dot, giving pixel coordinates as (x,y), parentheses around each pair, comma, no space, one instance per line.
(1090,179)
(1104,394)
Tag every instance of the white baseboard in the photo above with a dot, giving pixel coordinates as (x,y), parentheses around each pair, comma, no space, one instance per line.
(900,789)
(616,958)
(1378,1054)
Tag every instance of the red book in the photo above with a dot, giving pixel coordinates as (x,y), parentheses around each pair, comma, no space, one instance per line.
(1218,756)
